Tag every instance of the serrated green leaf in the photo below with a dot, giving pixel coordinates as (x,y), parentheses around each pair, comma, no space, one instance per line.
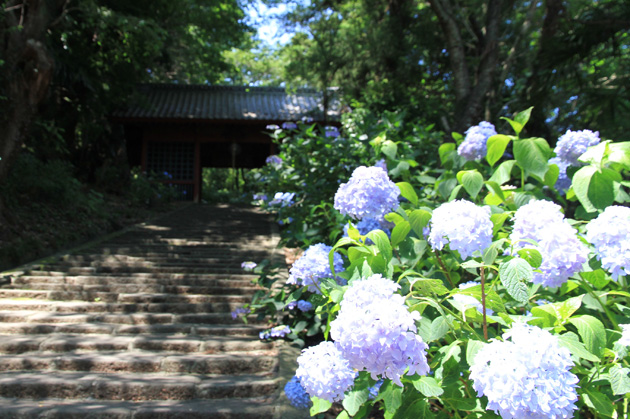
(400,231)
(515,274)
(503,173)
(428,287)
(355,398)
(597,278)
(428,386)
(532,256)
(472,347)
(496,147)
(592,332)
(380,239)
(594,189)
(532,154)
(571,341)
(407,191)
(620,153)
(523,116)
(319,405)
(516,126)
(619,378)
(419,219)
(598,401)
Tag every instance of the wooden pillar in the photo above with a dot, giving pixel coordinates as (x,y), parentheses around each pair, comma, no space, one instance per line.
(197,190)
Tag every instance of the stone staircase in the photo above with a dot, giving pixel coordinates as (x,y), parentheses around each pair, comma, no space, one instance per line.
(139,325)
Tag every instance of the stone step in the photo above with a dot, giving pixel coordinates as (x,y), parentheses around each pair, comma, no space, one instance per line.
(122,329)
(147,279)
(31,299)
(88,270)
(110,293)
(132,386)
(253,363)
(221,304)
(33,316)
(242,408)
(57,342)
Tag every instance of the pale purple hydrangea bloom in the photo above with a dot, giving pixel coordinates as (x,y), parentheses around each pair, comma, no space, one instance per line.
(239,311)
(625,335)
(528,376)
(304,306)
(275,332)
(474,146)
(248,266)
(284,199)
(272,127)
(375,331)
(289,125)
(573,144)
(375,389)
(370,224)
(273,160)
(368,194)
(470,301)
(563,254)
(307,119)
(464,226)
(609,233)
(331,131)
(297,395)
(260,197)
(324,372)
(382,164)
(313,266)
(563,183)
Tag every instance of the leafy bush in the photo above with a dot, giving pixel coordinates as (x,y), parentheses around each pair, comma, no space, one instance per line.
(522,308)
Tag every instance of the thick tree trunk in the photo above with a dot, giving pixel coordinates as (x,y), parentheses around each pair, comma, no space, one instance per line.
(26,73)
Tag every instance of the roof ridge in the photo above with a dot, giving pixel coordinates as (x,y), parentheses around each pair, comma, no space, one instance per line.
(240,88)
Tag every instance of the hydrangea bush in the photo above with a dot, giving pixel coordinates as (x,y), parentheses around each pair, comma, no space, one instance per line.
(496,293)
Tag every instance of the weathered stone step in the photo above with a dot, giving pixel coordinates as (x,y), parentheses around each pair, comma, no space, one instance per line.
(130,386)
(254,363)
(242,408)
(110,293)
(21,299)
(19,344)
(122,329)
(31,316)
(172,268)
(70,307)
(146,279)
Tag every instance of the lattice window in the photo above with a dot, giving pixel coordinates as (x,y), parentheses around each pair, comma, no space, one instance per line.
(177,159)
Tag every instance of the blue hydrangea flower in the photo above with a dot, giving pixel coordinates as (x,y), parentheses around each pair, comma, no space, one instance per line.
(260,197)
(464,226)
(474,145)
(298,397)
(564,182)
(573,144)
(275,332)
(370,224)
(331,131)
(248,266)
(289,125)
(375,331)
(304,306)
(609,233)
(313,266)
(470,301)
(368,194)
(273,160)
(625,335)
(324,372)
(284,199)
(239,311)
(528,376)
(382,164)
(307,119)
(272,127)
(375,389)
(562,252)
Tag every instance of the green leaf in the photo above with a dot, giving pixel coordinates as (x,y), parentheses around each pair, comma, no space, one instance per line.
(419,219)
(516,126)
(472,181)
(532,256)
(503,173)
(428,386)
(551,177)
(594,189)
(380,239)
(523,116)
(472,347)
(619,378)
(532,154)
(597,278)
(571,341)
(592,332)
(496,147)
(389,148)
(620,153)
(599,402)
(515,274)
(595,154)
(391,395)
(399,233)
(428,287)
(445,151)
(319,405)
(355,398)
(407,191)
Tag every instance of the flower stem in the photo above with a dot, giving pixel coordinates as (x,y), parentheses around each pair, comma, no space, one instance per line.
(483,302)
(443,267)
(590,291)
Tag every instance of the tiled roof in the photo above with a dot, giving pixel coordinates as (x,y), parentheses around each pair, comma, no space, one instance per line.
(200,102)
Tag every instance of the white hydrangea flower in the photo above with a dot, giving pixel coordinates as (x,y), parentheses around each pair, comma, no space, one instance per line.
(610,234)
(625,335)
(527,375)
